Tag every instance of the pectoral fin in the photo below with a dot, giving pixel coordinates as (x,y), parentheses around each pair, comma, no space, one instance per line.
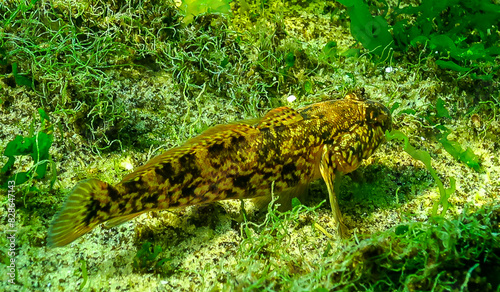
(332,179)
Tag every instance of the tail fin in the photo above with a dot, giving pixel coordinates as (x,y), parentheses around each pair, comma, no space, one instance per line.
(81,212)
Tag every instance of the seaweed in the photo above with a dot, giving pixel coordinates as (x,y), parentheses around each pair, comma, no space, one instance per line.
(85,276)
(147,257)
(441,110)
(37,146)
(193,8)
(371,31)
(466,156)
(437,254)
(21,79)
(425,158)
(330,51)
(461,34)
(15,75)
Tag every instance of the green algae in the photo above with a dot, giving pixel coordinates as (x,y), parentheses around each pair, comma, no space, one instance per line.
(193,8)
(466,156)
(425,158)
(458,31)
(36,145)
(147,257)
(85,276)
(436,254)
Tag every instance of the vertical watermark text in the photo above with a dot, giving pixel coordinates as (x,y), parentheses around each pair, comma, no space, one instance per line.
(11,232)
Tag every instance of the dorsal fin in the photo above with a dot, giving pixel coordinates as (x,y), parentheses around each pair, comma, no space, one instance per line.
(279,117)
(220,131)
(276,117)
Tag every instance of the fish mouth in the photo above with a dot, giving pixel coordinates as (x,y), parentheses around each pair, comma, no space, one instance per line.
(379,115)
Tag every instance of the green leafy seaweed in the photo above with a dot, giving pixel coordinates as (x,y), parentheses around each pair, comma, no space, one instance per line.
(192,8)
(466,156)
(146,257)
(37,146)
(425,158)
(461,34)
(441,110)
(19,78)
(371,31)
(84,274)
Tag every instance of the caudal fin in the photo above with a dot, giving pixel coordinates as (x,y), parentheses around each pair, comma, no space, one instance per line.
(81,212)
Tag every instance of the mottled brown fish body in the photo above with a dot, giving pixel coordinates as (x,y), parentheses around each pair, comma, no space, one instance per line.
(242,160)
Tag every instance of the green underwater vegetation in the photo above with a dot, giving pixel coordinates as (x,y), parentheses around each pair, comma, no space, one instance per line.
(146,257)
(460,32)
(192,8)
(436,255)
(97,88)
(425,158)
(37,146)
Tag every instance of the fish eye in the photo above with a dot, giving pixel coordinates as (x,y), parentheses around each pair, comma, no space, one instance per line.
(376,113)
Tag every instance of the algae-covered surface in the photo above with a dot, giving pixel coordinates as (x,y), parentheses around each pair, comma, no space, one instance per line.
(119,82)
